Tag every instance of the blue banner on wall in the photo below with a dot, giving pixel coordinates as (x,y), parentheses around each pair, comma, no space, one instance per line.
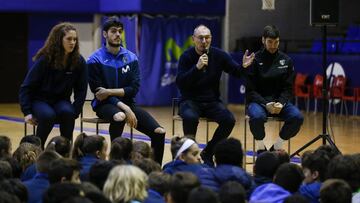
(162,42)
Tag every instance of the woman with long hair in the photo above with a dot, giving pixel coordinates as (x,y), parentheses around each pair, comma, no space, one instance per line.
(59,70)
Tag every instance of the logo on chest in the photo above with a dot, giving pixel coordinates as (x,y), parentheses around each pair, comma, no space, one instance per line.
(125,69)
(282,62)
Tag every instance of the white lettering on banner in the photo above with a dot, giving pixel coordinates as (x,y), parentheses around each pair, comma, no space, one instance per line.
(125,70)
(167,79)
(169,76)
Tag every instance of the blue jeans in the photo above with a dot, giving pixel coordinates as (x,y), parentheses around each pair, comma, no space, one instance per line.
(47,115)
(290,114)
(190,111)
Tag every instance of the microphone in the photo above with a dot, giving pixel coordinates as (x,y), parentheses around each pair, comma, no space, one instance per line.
(206,51)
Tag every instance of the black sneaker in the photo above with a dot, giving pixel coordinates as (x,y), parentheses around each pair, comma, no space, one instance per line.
(207,159)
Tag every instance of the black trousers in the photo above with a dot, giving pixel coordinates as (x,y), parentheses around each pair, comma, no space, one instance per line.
(146,124)
(190,111)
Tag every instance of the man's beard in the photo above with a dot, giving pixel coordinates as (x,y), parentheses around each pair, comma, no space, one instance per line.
(114,45)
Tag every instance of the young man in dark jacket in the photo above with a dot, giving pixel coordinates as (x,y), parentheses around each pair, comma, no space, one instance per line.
(269,90)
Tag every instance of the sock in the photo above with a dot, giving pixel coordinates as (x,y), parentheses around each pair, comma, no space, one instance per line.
(260,145)
(278,144)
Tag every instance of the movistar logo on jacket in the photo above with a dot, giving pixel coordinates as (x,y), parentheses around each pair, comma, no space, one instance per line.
(125,69)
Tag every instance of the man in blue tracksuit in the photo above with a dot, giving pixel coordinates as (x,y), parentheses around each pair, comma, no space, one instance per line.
(114,78)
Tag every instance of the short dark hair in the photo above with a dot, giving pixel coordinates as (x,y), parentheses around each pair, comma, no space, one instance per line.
(271,31)
(345,168)
(202,195)
(67,191)
(5,170)
(5,145)
(289,176)
(61,145)
(229,151)
(316,161)
(100,170)
(181,185)
(43,161)
(232,192)
(63,167)
(296,198)
(15,187)
(112,21)
(266,164)
(335,190)
(160,182)
(147,165)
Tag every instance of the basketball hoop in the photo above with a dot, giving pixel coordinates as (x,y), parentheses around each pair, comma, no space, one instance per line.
(268,4)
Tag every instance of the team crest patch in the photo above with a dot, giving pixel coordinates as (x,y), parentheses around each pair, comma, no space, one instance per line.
(282,62)
(125,69)
(124,59)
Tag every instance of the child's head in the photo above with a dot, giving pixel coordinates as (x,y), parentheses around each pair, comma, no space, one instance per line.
(95,145)
(314,166)
(229,151)
(5,146)
(185,149)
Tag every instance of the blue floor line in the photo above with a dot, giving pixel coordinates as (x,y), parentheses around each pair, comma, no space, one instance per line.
(125,134)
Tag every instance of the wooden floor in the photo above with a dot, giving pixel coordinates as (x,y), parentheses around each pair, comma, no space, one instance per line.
(343,130)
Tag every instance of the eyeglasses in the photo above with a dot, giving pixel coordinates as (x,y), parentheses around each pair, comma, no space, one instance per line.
(202,37)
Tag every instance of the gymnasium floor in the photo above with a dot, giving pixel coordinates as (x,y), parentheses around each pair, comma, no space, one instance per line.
(344,129)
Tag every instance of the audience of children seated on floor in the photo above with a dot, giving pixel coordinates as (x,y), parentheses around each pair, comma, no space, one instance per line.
(128,174)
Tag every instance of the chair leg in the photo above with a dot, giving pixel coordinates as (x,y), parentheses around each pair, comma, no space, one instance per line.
(245,148)
(97,128)
(207,131)
(253,157)
(307,105)
(25,129)
(315,106)
(289,146)
(353,106)
(173,127)
(131,133)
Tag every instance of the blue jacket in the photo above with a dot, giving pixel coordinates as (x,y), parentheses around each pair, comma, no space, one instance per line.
(260,180)
(29,173)
(36,187)
(215,177)
(181,166)
(311,191)
(86,162)
(154,197)
(114,71)
(44,83)
(269,193)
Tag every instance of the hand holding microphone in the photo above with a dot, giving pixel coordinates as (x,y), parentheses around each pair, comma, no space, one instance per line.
(203,61)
